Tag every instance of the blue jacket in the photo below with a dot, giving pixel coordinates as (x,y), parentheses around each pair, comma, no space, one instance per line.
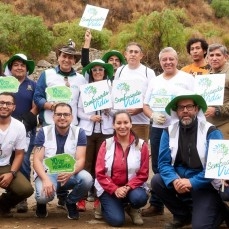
(169,172)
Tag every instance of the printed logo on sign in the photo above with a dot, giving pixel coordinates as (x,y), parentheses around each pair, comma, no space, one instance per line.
(127,100)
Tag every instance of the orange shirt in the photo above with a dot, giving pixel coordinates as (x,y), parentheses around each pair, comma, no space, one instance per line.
(195,70)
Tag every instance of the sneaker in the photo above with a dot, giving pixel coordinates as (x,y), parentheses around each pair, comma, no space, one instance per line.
(176,223)
(96,203)
(152,211)
(134,215)
(90,197)
(61,203)
(73,213)
(41,211)
(81,205)
(22,207)
(6,213)
(98,211)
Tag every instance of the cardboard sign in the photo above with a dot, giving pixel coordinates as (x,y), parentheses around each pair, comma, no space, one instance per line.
(96,96)
(9,84)
(211,87)
(218,160)
(127,94)
(93,17)
(58,94)
(60,163)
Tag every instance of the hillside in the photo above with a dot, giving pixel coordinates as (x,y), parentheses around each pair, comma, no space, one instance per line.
(120,11)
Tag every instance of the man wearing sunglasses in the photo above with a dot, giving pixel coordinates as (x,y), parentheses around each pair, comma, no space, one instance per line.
(181,183)
(12,139)
(60,138)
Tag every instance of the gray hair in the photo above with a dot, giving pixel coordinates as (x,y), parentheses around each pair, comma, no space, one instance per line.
(168,49)
(134,43)
(215,46)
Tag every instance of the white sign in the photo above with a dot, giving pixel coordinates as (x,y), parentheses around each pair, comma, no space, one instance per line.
(127,94)
(218,160)
(96,96)
(93,17)
(211,88)
(159,102)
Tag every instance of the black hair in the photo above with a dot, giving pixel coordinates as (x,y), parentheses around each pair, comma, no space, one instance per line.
(129,116)
(204,44)
(62,105)
(9,94)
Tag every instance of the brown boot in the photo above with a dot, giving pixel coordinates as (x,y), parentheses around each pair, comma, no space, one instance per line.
(152,211)
(134,215)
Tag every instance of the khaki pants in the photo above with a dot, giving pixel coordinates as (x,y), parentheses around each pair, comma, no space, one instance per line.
(225,130)
(142,131)
(18,190)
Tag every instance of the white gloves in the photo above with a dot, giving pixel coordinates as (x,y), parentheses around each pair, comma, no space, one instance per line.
(158,118)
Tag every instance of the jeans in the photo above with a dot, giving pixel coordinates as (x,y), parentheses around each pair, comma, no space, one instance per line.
(79,184)
(207,208)
(155,137)
(113,208)
(18,190)
(26,167)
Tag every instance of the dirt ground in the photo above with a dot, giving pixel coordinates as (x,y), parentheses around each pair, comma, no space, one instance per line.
(57,218)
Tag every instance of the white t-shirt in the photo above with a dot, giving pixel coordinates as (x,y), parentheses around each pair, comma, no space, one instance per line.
(142,75)
(14,137)
(160,86)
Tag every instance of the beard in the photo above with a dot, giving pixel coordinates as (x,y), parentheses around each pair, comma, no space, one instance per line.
(187,121)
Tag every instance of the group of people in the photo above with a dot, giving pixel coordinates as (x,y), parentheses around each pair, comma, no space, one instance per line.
(111,147)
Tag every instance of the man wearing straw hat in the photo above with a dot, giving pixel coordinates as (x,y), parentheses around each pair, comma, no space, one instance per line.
(180,183)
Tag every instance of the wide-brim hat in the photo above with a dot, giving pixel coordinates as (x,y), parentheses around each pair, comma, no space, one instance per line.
(107,55)
(30,64)
(71,51)
(198,100)
(98,62)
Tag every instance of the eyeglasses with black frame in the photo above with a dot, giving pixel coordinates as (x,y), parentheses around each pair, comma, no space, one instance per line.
(8,104)
(66,115)
(188,107)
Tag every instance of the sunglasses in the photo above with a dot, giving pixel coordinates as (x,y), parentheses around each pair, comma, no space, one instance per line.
(67,84)
(97,69)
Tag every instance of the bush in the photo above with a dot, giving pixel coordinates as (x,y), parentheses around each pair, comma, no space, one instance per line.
(24,34)
(221,8)
(66,30)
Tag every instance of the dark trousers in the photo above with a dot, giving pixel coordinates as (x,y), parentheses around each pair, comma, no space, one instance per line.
(155,137)
(207,209)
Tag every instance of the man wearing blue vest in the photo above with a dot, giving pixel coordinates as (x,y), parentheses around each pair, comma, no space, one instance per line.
(62,137)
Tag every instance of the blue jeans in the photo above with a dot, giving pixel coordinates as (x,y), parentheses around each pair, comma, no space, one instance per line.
(113,208)
(207,208)
(79,184)
(155,138)
(25,167)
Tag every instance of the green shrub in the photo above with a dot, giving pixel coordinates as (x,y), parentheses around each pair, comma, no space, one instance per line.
(221,8)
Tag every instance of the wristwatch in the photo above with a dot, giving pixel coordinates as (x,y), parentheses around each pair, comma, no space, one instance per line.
(217,112)
(14,173)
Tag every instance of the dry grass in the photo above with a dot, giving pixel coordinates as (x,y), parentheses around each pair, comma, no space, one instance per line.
(54,11)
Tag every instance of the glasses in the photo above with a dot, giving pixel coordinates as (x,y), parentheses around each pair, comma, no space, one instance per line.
(8,104)
(59,115)
(189,107)
(133,51)
(67,84)
(97,69)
